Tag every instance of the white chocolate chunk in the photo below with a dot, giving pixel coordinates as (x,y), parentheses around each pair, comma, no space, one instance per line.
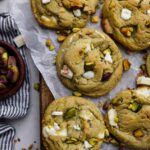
(148,12)
(66,72)
(19,41)
(77,127)
(57,113)
(48,131)
(87,144)
(142,80)
(101,135)
(126,14)
(112,114)
(77,12)
(51,131)
(88,48)
(88,75)
(62,132)
(87,115)
(108,58)
(46,19)
(56,126)
(144,91)
(46,1)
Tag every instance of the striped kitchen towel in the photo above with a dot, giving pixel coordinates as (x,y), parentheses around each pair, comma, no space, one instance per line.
(16,106)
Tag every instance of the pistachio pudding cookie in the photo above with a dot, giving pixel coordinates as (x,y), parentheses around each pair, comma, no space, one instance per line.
(63,14)
(128,118)
(72,123)
(89,62)
(148,64)
(128,22)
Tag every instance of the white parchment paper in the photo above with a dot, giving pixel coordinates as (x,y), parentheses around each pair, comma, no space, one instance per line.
(35,37)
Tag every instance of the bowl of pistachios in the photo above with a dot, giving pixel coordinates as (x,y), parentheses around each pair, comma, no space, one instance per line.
(12,70)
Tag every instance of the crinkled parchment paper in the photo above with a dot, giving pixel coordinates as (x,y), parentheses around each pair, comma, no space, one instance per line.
(35,37)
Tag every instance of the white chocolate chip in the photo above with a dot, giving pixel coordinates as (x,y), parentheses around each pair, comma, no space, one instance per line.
(57,113)
(142,80)
(77,127)
(148,12)
(88,75)
(108,58)
(66,72)
(101,135)
(62,132)
(87,145)
(48,131)
(87,115)
(77,12)
(46,1)
(112,114)
(19,41)
(126,14)
(56,126)
(144,91)
(46,19)
(88,48)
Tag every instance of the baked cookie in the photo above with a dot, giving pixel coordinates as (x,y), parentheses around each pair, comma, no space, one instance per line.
(128,22)
(128,118)
(63,14)
(72,123)
(89,62)
(148,64)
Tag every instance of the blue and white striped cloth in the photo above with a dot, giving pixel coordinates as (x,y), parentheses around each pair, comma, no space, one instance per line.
(16,106)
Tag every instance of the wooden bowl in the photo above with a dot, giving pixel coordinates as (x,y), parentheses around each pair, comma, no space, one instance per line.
(12,88)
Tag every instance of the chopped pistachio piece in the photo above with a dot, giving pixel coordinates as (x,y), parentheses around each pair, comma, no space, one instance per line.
(106,133)
(135,107)
(37,86)
(71,141)
(95,19)
(51,47)
(76,93)
(48,42)
(70,113)
(75,30)
(138,133)
(93,141)
(107,51)
(126,65)
(127,31)
(61,38)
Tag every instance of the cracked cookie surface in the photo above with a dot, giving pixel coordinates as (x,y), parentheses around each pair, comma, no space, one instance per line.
(89,62)
(63,14)
(72,123)
(128,22)
(128,118)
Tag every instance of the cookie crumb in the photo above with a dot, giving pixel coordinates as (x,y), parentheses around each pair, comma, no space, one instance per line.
(30,147)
